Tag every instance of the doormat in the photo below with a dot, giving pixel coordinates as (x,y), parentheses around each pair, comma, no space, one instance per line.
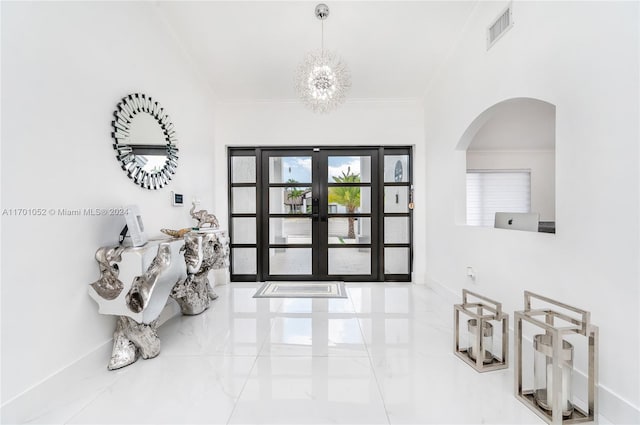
(301,290)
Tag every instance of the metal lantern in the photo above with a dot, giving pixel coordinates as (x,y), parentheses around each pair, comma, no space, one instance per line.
(551,396)
(543,374)
(477,348)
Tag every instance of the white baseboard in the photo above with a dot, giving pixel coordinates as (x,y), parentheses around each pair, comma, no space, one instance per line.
(171,310)
(616,409)
(611,406)
(103,346)
(418,278)
(447,293)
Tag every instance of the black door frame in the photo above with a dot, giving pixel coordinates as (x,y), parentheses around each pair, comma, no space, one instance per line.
(377,257)
(373,214)
(319,214)
(264,214)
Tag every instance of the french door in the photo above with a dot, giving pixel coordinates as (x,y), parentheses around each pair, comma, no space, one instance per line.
(320,213)
(318,218)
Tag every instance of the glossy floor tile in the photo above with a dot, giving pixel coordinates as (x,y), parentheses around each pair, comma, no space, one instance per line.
(382,356)
(311,390)
(171,390)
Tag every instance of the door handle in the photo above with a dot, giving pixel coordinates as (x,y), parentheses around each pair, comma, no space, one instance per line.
(315,209)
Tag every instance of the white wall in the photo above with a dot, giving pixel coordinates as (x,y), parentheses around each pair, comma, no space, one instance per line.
(354,123)
(542,165)
(583,58)
(65,66)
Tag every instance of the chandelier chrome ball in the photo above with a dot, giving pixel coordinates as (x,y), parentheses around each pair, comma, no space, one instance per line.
(322,81)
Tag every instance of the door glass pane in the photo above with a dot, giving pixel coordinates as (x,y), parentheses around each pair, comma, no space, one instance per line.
(396,230)
(349,169)
(244,261)
(349,200)
(396,260)
(290,230)
(290,200)
(396,168)
(243,169)
(283,169)
(243,200)
(345,261)
(244,230)
(396,199)
(348,230)
(289,261)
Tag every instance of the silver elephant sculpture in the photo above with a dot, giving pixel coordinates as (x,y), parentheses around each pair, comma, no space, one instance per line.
(204,217)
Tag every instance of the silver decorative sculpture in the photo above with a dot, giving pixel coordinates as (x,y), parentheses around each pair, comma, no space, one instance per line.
(479,350)
(136,283)
(108,286)
(142,288)
(551,398)
(132,339)
(145,277)
(132,264)
(221,251)
(203,217)
(202,252)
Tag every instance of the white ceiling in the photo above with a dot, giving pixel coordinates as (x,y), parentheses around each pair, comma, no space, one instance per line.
(250,50)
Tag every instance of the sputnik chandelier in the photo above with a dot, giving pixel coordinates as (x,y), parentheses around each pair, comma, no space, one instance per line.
(322,79)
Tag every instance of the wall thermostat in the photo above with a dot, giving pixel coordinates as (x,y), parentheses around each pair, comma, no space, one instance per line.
(177,199)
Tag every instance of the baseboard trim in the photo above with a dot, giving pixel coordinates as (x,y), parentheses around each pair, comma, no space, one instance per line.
(617,409)
(611,406)
(444,291)
(100,346)
(171,310)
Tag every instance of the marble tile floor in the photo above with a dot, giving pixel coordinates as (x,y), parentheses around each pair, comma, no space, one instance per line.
(382,356)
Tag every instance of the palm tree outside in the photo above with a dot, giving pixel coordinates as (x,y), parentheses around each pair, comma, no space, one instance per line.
(294,195)
(349,197)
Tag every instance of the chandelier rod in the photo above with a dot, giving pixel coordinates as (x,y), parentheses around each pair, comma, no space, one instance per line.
(322,37)
(322,12)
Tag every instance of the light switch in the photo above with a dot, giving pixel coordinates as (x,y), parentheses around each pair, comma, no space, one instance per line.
(177,199)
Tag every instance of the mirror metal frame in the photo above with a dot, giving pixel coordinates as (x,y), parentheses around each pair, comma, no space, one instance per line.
(125,112)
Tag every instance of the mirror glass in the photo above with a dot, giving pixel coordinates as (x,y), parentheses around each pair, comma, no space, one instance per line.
(510,166)
(148,141)
(145,141)
(145,130)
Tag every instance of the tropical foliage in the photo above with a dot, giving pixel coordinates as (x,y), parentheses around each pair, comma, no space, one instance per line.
(294,194)
(348,196)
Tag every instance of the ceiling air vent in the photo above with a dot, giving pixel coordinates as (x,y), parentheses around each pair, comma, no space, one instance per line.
(499,26)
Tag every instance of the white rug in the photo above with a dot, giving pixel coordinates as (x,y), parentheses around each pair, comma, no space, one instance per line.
(301,290)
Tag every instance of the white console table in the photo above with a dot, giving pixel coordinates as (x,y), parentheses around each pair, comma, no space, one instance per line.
(137,282)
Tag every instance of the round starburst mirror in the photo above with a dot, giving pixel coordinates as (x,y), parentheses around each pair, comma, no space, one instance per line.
(145,141)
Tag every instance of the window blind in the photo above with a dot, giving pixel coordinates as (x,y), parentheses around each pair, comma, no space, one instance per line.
(493,191)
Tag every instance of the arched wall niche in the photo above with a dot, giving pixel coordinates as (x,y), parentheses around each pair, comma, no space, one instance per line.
(510,166)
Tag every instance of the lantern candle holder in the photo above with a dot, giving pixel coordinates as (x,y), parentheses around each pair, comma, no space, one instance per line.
(551,397)
(477,348)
